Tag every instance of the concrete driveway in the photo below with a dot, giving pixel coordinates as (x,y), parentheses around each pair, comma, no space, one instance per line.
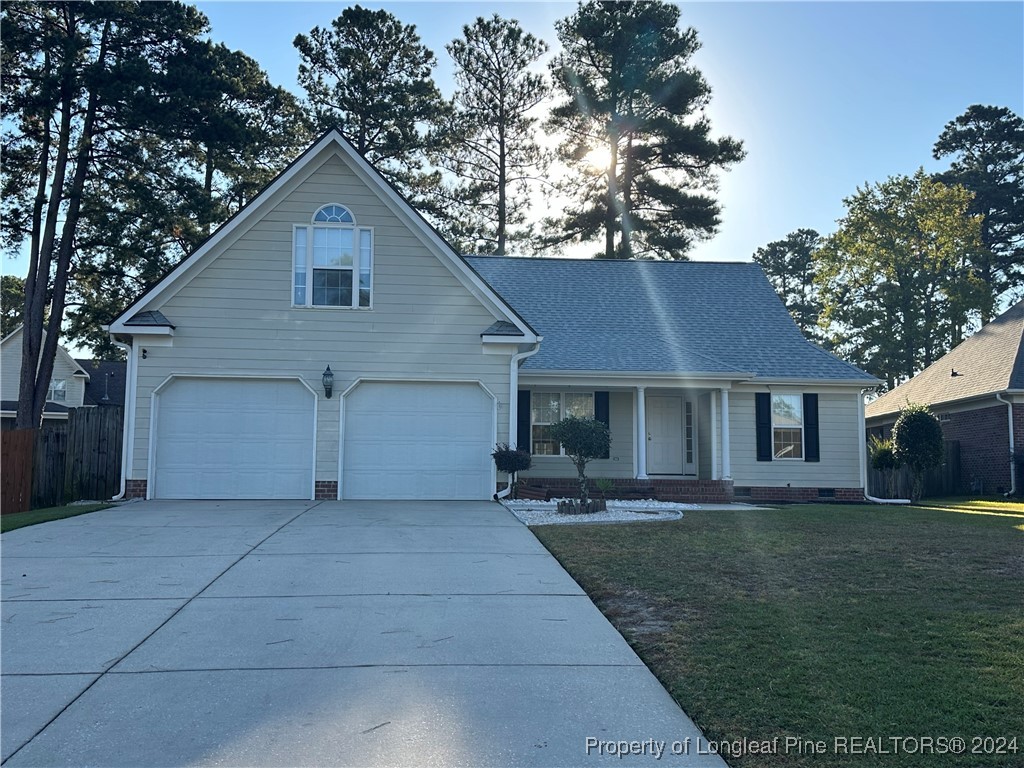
(314,633)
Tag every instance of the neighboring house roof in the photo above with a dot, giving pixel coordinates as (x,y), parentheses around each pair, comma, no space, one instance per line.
(106,384)
(11,406)
(148,302)
(657,316)
(990,361)
(61,352)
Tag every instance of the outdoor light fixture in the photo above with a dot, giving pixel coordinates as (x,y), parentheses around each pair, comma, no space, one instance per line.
(328,379)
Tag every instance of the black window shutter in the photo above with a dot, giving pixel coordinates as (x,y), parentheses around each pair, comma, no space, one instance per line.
(523,422)
(811,450)
(763,417)
(602,412)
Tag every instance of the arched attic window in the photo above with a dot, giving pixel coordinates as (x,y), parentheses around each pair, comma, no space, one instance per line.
(333,261)
(333,214)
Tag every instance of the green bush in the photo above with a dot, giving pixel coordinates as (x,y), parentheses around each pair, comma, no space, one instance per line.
(583,440)
(917,443)
(883,458)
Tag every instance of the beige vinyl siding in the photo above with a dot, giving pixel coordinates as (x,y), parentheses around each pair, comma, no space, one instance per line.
(839,429)
(10,373)
(620,461)
(234,316)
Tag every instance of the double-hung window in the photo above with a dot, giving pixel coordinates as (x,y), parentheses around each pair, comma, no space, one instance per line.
(58,391)
(333,261)
(787,427)
(548,407)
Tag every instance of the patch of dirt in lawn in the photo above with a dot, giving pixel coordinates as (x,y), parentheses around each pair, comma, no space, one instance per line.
(641,618)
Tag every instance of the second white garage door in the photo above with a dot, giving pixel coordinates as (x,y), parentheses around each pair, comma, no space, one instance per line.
(415,440)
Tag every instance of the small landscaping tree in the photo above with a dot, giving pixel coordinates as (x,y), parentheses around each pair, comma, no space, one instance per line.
(583,440)
(917,443)
(884,460)
(512,461)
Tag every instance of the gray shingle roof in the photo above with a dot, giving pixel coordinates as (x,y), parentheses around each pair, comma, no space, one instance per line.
(150,317)
(992,360)
(502,328)
(106,379)
(645,316)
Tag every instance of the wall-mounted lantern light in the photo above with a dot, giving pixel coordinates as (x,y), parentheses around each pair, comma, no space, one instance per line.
(328,379)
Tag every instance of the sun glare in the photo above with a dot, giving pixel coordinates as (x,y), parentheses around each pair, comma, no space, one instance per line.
(599,158)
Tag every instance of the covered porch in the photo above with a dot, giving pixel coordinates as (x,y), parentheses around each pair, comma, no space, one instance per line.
(670,438)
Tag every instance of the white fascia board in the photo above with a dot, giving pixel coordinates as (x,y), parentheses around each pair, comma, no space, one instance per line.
(629,379)
(140,330)
(502,340)
(845,383)
(955,403)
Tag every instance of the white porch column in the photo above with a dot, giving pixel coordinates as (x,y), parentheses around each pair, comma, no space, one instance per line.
(715,471)
(641,433)
(726,466)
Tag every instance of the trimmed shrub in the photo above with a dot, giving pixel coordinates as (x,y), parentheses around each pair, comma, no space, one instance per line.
(917,443)
(583,440)
(511,461)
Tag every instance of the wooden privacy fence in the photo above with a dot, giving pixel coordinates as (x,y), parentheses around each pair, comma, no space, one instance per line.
(65,461)
(16,447)
(943,480)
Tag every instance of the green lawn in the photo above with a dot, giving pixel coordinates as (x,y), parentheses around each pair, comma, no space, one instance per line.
(34,516)
(823,621)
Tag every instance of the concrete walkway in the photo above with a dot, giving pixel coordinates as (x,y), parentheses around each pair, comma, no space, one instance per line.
(314,633)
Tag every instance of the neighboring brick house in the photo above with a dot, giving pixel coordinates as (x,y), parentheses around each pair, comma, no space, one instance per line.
(975,390)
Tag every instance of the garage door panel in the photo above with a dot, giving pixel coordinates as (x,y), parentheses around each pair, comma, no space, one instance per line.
(418,440)
(234,438)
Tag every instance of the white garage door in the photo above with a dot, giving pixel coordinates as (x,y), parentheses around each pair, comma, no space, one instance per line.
(415,440)
(234,439)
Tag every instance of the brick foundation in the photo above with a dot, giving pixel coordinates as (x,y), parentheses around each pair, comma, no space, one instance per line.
(694,491)
(135,489)
(824,495)
(326,490)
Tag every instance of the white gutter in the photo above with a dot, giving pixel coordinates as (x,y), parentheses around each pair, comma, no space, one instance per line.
(1013,468)
(128,406)
(862,442)
(513,402)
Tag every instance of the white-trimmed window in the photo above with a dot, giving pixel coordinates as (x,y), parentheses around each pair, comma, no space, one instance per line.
(548,407)
(333,261)
(58,391)
(787,427)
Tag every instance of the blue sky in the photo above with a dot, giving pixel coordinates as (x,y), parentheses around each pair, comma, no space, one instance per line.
(825,96)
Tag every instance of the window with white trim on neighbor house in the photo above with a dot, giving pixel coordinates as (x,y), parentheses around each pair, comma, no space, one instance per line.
(548,407)
(58,391)
(333,261)
(787,427)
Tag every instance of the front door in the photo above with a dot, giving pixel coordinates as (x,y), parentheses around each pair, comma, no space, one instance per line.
(671,436)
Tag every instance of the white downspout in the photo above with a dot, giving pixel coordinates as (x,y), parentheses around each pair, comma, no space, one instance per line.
(862,441)
(1013,468)
(128,406)
(513,402)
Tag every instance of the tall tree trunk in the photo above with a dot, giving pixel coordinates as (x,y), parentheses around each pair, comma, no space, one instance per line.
(502,192)
(626,221)
(613,197)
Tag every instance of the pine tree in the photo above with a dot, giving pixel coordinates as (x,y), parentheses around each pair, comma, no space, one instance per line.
(638,139)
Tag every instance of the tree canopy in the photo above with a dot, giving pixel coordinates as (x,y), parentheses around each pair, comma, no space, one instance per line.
(635,133)
(896,278)
(369,76)
(492,148)
(790,266)
(987,147)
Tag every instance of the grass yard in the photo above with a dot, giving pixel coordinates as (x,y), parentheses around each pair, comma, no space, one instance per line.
(35,516)
(820,621)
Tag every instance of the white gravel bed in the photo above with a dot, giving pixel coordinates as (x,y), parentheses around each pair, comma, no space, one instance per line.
(546,512)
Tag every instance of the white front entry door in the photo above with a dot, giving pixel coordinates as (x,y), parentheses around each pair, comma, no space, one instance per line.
(671,436)
(418,440)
